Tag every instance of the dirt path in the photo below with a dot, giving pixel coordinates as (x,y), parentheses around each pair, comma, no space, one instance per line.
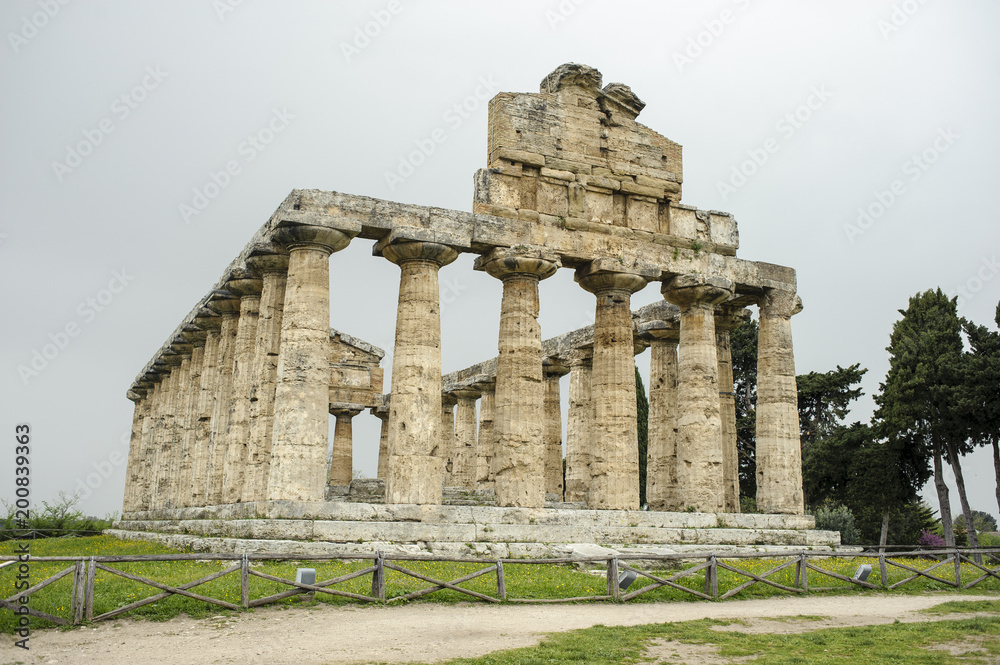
(326,635)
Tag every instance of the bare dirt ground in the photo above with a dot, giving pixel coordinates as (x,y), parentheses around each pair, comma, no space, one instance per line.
(327,635)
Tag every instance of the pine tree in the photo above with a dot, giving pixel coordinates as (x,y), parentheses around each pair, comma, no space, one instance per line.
(982,393)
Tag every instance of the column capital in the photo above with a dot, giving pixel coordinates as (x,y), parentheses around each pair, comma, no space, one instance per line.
(693,290)
(730,317)
(554,367)
(346,410)
(608,275)
(403,251)
(656,331)
(296,236)
(241,282)
(207,319)
(448,399)
(502,262)
(777,303)
(263,264)
(194,334)
(223,302)
(466,392)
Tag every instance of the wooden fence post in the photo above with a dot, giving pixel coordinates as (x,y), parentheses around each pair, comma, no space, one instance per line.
(883,571)
(958,568)
(88,613)
(378,578)
(79,584)
(245,581)
(712,579)
(613,589)
(501,581)
(802,573)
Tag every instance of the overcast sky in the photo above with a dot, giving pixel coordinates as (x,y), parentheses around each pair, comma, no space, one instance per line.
(871,126)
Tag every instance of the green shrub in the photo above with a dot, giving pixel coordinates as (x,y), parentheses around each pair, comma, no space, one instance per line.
(59,518)
(837,518)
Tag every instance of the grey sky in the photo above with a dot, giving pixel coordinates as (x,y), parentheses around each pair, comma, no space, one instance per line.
(832,100)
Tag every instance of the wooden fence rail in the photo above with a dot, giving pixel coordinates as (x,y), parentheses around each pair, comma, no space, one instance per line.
(84,572)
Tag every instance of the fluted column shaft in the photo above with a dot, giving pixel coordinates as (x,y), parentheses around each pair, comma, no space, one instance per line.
(342,461)
(614,458)
(273,270)
(518,421)
(414,472)
(553,435)
(700,481)
(201,449)
(165,438)
(484,447)
(302,396)
(146,464)
(446,449)
(779,454)
(382,413)
(661,452)
(229,308)
(579,428)
(728,318)
(189,445)
(133,464)
(463,472)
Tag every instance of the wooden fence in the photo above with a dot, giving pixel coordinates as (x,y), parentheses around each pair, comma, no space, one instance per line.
(706,571)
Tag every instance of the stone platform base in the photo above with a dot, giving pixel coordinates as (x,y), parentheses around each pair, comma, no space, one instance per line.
(286,527)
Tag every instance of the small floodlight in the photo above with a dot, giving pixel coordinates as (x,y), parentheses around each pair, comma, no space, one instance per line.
(305,576)
(625,579)
(862,573)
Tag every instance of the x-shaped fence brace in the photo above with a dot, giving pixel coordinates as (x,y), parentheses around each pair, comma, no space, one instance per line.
(453,585)
(754,579)
(838,576)
(319,587)
(659,582)
(13,604)
(925,572)
(989,572)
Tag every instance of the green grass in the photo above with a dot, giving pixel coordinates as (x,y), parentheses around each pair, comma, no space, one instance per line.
(523,580)
(874,645)
(956,606)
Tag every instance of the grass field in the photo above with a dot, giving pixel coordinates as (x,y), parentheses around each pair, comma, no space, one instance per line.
(523,580)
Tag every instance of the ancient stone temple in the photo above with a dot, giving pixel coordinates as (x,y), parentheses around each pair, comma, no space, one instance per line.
(232,413)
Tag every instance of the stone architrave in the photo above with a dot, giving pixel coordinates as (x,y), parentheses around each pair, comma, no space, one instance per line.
(342,461)
(661,452)
(228,306)
(700,482)
(727,319)
(614,456)
(414,472)
(272,268)
(484,445)
(446,448)
(553,431)
(211,323)
(579,428)
(463,472)
(779,455)
(518,419)
(301,425)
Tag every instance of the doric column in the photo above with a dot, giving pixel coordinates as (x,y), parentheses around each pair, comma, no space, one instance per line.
(273,271)
(382,413)
(779,454)
(518,420)
(446,448)
(553,430)
(342,462)
(728,318)
(147,461)
(228,306)
(165,445)
(139,397)
(302,396)
(661,451)
(484,446)
(579,427)
(463,469)
(201,450)
(414,472)
(248,288)
(189,445)
(700,483)
(175,490)
(614,457)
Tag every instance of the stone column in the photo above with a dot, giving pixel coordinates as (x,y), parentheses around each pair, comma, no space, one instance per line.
(700,483)
(661,452)
(212,324)
(133,468)
(302,395)
(166,431)
(189,445)
(273,271)
(518,420)
(248,288)
(484,447)
(414,472)
(228,306)
(579,427)
(553,431)
(175,490)
(147,461)
(463,471)
(446,448)
(342,462)
(727,318)
(614,457)
(779,453)
(382,413)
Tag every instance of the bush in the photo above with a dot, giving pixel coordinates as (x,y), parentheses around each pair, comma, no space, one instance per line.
(833,517)
(748,504)
(930,540)
(60,518)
